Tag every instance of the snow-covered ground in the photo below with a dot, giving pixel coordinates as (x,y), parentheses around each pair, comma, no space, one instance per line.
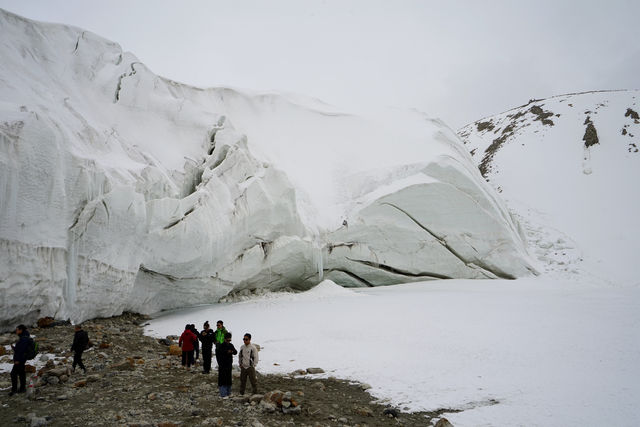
(39,361)
(561,349)
(531,352)
(146,207)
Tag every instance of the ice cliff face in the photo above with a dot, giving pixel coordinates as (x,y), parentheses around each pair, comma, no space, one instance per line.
(573,160)
(122,190)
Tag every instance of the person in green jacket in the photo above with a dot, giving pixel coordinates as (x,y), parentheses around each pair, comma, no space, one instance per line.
(218,336)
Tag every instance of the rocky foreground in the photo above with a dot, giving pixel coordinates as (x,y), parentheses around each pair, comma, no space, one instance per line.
(133,380)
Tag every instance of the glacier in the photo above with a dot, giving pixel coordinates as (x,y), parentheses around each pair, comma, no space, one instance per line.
(121,190)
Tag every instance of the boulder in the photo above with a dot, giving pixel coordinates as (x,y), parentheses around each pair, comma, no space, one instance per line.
(256,398)
(443,422)
(392,412)
(125,365)
(364,411)
(267,406)
(274,397)
(45,322)
(175,350)
(293,410)
(57,372)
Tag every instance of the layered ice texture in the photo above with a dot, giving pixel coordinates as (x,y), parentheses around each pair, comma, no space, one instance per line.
(123,190)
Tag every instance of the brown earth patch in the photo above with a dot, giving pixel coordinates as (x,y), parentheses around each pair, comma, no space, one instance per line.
(135,381)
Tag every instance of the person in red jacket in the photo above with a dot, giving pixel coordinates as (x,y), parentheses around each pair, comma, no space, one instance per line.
(187,342)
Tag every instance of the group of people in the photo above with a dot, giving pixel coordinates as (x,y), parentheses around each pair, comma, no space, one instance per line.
(189,342)
(224,351)
(20,350)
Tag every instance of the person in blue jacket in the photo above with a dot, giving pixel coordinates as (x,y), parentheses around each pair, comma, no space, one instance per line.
(19,361)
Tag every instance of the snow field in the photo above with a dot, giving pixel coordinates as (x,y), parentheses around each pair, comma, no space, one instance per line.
(548,351)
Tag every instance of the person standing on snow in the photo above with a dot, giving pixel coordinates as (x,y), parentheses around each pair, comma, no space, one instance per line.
(19,361)
(80,341)
(248,360)
(224,357)
(206,338)
(187,341)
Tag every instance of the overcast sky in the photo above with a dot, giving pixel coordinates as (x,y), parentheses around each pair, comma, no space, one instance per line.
(457,60)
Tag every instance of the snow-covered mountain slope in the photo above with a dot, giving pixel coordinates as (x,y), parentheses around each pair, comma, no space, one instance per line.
(122,190)
(572,163)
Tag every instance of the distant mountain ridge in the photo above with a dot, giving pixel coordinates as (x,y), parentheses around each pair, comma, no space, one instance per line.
(574,159)
(506,126)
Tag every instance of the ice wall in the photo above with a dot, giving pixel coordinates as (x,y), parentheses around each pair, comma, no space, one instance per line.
(122,190)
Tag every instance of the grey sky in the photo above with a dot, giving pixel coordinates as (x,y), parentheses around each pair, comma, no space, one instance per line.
(457,60)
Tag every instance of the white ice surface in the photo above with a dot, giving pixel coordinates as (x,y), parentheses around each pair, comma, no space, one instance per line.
(549,351)
(121,190)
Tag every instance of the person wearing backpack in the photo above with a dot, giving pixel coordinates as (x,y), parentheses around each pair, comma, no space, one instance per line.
(19,361)
(80,341)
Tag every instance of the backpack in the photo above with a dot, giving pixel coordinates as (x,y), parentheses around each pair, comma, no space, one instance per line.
(32,349)
(85,341)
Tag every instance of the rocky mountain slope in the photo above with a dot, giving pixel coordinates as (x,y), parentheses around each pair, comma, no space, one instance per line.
(572,162)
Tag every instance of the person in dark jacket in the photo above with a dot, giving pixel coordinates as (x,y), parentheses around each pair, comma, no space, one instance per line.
(206,338)
(187,341)
(224,357)
(196,345)
(80,341)
(19,361)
